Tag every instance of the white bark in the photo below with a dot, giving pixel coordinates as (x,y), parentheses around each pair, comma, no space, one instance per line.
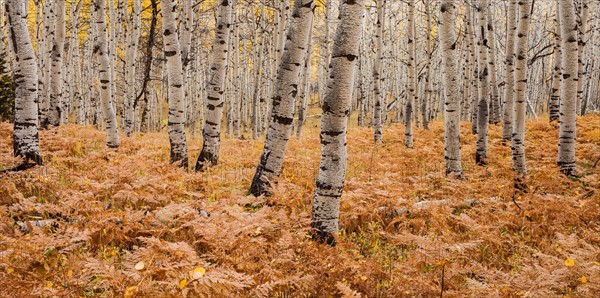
(175,89)
(285,93)
(26,144)
(554,104)
(56,96)
(377,75)
(332,169)
(216,86)
(568,89)
(130,69)
(452,156)
(509,89)
(110,118)
(518,135)
(412,77)
(494,106)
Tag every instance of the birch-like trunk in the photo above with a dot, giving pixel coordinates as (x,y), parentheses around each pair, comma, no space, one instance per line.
(582,24)
(110,118)
(56,88)
(377,76)
(554,104)
(412,77)
(452,104)
(130,70)
(494,106)
(428,54)
(509,77)
(332,169)
(568,89)
(481,152)
(176,121)
(284,97)
(216,86)
(305,86)
(518,135)
(26,143)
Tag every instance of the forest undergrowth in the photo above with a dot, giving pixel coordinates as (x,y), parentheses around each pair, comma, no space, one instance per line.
(95,222)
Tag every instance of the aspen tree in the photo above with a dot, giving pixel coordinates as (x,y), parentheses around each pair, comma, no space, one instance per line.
(554,104)
(172,53)
(481,153)
(428,53)
(494,106)
(56,88)
(412,77)
(568,89)
(452,104)
(25,133)
(509,62)
(285,93)
(518,135)
(305,86)
(377,75)
(130,71)
(211,131)
(332,169)
(110,118)
(582,25)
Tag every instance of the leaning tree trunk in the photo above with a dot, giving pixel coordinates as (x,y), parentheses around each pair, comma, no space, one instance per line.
(26,144)
(509,89)
(112,136)
(176,121)
(518,135)
(56,93)
(452,111)
(285,93)
(481,152)
(377,76)
(332,169)
(412,77)
(568,89)
(554,104)
(216,86)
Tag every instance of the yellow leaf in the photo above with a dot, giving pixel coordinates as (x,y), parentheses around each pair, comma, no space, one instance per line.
(140,265)
(569,262)
(10,270)
(130,292)
(198,272)
(182,283)
(583,279)
(49,285)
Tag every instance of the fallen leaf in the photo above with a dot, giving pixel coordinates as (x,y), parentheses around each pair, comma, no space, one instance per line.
(130,292)
(583,279)
(140,265)
(569,262)
(198,272)
(182,283)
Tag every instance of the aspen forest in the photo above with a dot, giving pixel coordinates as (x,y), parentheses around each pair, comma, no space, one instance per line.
(299,148)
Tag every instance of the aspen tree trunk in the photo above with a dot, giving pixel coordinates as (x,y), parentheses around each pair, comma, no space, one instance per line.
(554,105)
(332,169)
(568,89)
(286,91)
(56,95)
(49,26)
(509,89)
(112,55)
(494,106)
(428,54)
(467,71)
(25,134)
(112,136)
(216,86)
(255,119)
(175,89)
(236,72)
(583,20)
(518,135)
(305,86)
(130,71)
(77,81)
(412,77)
(481,153)
(377,76)
(452,104)
(476,71)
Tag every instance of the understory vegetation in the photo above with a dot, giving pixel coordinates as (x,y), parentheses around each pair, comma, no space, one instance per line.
(100,222)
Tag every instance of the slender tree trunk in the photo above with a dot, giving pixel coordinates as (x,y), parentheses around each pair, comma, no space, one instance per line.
(110,118)
(130,67)
(216,86)
(25,133)
(286,91)
(582,25)
(305,86)
(412,77)
(332,169)
(494,106)
(377,76)
(56,95)
(568,89)
(428,54)
(452,104)
(175,88)
(554,105)
(481,153)
(518,135)
(509,89)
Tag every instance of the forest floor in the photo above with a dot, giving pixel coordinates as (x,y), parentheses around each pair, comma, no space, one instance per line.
(97,222)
